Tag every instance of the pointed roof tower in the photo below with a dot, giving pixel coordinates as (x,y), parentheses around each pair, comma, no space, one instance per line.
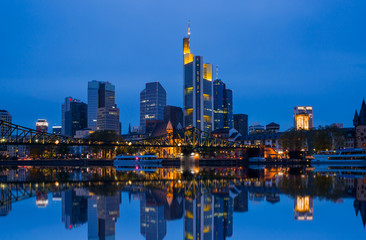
(362,115)
(355,119)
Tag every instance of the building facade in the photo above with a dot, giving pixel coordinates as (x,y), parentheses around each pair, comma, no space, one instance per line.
(303,117)
(152,103)
(174,115)
(359,121)
(198,90)
(57,130)
(5,116)
(223,105)
(102,106)
(74,116)
(42,125)
(241,123)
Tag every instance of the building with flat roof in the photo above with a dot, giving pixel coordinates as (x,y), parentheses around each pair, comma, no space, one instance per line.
(74,116)
(102,107)
(223,105)
(303,117)
(57,130)
(42,125)
(152,103)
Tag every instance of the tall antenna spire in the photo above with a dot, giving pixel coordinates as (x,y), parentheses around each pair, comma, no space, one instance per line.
(217,72)
(189,29)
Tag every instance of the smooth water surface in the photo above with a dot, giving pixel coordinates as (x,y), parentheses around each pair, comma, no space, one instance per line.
(198,203)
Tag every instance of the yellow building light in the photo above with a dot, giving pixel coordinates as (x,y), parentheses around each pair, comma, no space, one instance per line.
(188,58)
(189,111)
(207,97)
(207,71)
(189,90)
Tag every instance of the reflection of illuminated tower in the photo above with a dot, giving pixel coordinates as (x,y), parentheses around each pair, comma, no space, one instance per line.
(303,117)
(223,216)
(198,219)
(304,208)
(152,223)
(198,90)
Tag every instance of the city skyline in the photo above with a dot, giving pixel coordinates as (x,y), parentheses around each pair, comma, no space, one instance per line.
(310,64)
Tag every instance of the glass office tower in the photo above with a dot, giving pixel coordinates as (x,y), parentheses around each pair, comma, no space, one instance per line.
(152,103)
(198,90)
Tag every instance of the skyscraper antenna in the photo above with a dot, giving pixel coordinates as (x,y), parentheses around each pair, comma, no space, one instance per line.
(217,72)
(189,29)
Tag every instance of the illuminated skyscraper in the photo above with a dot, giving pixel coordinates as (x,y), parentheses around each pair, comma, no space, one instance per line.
(198,90)
(42,125)
(303,117)
(223,106)
(152,103)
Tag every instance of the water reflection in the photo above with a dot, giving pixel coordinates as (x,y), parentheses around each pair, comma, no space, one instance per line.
(205,199)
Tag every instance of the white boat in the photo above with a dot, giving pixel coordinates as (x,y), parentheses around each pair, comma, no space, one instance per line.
(355,155)
(136,160)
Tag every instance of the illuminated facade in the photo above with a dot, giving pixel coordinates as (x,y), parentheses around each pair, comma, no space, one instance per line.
(42,125)
(198,90)
(359,121)
(223,106)
(303,117)
(152,103)
(304,208)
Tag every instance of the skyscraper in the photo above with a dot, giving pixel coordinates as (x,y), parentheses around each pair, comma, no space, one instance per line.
(303,117)
(174,115)
(152,103)
(42,125)
(5,116)
(103,113)
(74,116)
(241,123)
(198,90)
(223,105)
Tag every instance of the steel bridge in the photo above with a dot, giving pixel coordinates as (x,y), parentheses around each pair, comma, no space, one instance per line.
(12,134)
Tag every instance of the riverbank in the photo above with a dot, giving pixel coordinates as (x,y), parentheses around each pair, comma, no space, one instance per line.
(165,163)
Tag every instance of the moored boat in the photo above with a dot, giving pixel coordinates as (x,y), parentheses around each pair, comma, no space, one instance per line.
(355,155)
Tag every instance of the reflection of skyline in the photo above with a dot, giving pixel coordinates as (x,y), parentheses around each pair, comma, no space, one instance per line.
(206,207)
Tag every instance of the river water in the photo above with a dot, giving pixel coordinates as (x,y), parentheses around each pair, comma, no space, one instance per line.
(255,202)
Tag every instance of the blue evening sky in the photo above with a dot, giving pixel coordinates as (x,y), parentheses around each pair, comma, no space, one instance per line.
(274,55)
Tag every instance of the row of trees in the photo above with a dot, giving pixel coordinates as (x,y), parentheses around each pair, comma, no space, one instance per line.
(320,139)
